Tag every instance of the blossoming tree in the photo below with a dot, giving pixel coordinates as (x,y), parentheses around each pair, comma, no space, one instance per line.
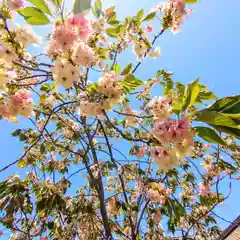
(150,173)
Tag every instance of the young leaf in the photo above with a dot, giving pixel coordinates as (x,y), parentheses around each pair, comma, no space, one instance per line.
(140,14)
(215,118)
(40,4)
(149,17)
(57,2)
(232,131)
(81,6)
(209,135)
(131,83)
(191,94)
(98,5)
(116,69)
(97,8)
(16,133)
(206,95)
(127,69)
(229,105)
(112,32)
(95,12)
(34,16)
(190,1)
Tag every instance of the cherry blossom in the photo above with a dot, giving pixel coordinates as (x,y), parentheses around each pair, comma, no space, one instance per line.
(15,4)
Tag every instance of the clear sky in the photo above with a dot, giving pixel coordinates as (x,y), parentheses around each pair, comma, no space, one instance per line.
(207,47)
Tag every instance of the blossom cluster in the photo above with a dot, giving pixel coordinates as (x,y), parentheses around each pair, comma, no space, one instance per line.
(65,73)
(25,36)
(110,87)
(131,120)
(112,206)
(19,103)
(175,136)
(158,193)
(70,36)
(15,4)
(69,40)
(174,11)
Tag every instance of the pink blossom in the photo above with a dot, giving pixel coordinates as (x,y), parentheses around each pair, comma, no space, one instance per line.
(37,231)
(162,131)
(149,28)
(168,191)
(83,55)
(64,36)
(4,110)
(15,4)
(164,156)
(204,189)
(160,108)
(192,198)
(80,25)
(238,177)
(21,103)
(1,233)
(161,187)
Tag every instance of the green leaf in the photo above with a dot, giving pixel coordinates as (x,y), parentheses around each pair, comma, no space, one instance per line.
(149,17)
(191,94)
(50,225)
(206,95)
(21,163)
(98,5)
(97,8)
(42,148)
(22,137)
(81,6)
(16,133)
(215,118)
(130,83)
(127,69)
(112,32)
(112,17)
(40,4)
(209,135)
(34,16)
(140,15)
(116,69)
(232,131)
(92,88)
(230,105)
(45,87)
(57,2)
(95,11)
(190,1)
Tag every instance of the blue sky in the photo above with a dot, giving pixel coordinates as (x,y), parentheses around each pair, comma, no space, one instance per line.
(207,47)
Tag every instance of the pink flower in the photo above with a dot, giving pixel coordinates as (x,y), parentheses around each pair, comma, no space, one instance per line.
(238,177)
(149,28)
(169,191)
(15,4)
(83,55)
(80,25)
(160,108)
(161,187)
(64,36)
(204,189)
(4,110)
(162,131)
(21,103)
(164,156)
(1,233)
